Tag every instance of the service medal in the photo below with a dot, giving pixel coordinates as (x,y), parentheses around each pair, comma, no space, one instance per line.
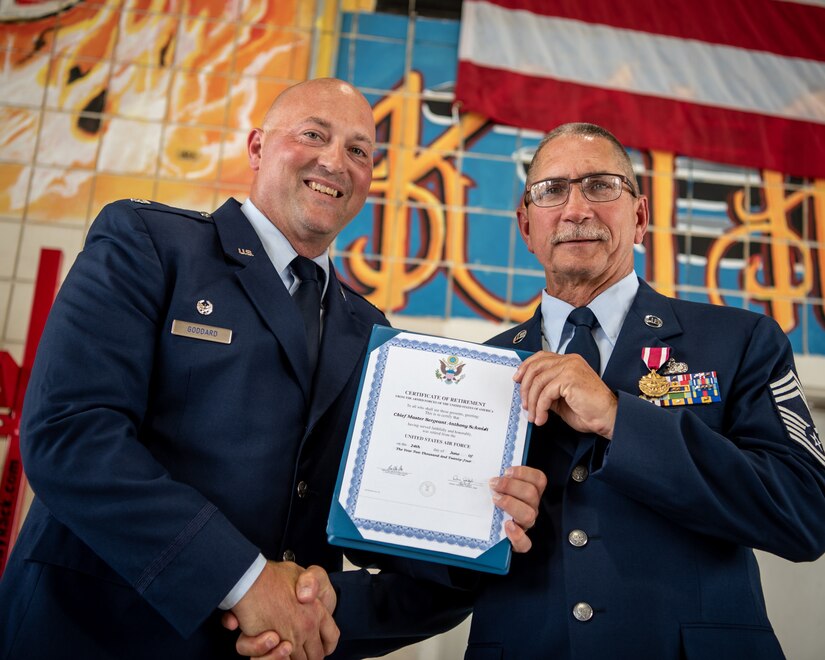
(652,384)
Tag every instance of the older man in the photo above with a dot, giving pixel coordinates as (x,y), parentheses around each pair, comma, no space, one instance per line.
(675,438)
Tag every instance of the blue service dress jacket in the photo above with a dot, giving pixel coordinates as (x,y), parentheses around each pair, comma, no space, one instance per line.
(642,548)
(163,462)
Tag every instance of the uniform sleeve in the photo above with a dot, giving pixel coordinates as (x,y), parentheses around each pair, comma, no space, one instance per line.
(758,480)
(378,613)
(83,412)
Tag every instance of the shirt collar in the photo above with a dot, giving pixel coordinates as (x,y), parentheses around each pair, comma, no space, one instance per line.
(610,307)
(278,248)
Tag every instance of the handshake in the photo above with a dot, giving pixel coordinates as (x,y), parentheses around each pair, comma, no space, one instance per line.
(296,602)
(288,610)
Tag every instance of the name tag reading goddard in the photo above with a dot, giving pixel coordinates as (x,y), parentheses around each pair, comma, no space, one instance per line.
(200,331)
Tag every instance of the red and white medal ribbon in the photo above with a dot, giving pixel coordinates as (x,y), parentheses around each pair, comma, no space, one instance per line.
(654,358)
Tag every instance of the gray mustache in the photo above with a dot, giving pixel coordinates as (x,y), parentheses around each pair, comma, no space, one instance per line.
(581,234)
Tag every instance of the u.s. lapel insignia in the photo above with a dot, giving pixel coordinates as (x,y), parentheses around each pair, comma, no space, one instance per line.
(245,252)
(204,307)
(652,384)
(519,336)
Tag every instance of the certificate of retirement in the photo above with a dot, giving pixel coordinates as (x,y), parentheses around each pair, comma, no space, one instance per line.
(435,420)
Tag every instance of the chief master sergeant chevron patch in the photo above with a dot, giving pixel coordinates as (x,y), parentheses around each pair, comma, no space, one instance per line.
(792,407)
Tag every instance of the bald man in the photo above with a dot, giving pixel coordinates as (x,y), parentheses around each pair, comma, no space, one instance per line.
(186,417)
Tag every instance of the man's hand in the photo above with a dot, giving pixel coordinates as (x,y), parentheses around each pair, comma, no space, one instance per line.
(287,611)
(566,385)
(518,492)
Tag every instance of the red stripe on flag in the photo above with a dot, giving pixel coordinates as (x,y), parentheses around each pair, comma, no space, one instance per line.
(646,122)
(785,28)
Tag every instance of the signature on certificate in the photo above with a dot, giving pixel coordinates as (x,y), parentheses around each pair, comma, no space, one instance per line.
(395,469)
(464,482)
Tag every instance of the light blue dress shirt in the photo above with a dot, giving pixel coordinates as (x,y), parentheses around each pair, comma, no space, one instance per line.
(610,307)
(279,250)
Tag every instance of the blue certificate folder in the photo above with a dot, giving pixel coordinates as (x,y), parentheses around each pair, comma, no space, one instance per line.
(342,530)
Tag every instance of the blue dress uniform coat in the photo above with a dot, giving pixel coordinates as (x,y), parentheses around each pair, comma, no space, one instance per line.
(163,464)
(642,548)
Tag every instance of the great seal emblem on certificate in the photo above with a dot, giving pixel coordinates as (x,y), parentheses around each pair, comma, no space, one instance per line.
(449,440)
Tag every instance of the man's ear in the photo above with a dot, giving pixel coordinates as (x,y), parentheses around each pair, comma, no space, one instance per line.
(524,225)
(254,144)
(642,219)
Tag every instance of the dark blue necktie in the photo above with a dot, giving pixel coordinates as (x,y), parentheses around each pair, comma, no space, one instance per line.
(583,342)
(308,298)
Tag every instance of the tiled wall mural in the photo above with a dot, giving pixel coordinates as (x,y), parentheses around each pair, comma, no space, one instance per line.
(153,99)
(138,98)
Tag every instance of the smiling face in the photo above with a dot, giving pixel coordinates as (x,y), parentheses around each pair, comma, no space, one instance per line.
(585,247)
(313,162)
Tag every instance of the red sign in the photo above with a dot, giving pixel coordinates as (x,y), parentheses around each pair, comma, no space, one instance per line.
(13,382)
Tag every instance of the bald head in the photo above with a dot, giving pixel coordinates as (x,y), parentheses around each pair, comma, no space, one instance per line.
(316,88)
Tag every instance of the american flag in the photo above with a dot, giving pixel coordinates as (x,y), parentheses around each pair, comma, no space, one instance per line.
(739,81)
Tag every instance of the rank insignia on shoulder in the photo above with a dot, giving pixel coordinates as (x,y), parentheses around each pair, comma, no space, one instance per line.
(689,390)
(792,407)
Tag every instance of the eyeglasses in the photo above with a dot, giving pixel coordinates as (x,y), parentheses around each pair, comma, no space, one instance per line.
(599,187)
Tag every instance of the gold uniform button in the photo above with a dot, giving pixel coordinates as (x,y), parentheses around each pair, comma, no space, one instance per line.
(582,611)
(302,488)
(579,473)
(577,538)
(289,555)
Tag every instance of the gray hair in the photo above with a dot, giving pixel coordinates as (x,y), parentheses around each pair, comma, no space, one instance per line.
(587,130)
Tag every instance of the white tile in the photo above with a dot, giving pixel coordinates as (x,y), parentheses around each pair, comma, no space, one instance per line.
(18,133)
(19,312)
(5,297)
(35,237)
(130,147)
(9,238)
(59,144)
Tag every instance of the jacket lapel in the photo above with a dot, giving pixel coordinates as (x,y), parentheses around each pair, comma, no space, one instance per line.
(531,341)
(343,342)
(625,367)
(264,287)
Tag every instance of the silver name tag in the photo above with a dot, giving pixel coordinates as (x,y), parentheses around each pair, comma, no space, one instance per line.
(199,331)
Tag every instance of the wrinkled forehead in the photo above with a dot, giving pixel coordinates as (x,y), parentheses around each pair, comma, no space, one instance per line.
(572,156)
